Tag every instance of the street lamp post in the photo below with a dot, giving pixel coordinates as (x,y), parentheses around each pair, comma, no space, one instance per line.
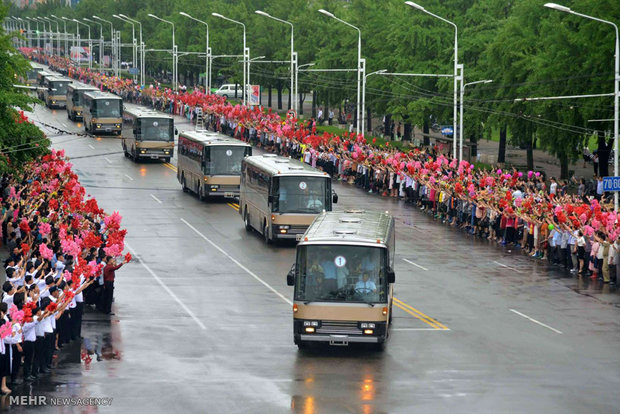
(133,41)
(90,46)
(456,58)
(52,33)
(207,53)
(246,55)
(461,115)
(297,68)
(294,97)
(364,97)
(142,66)
(616,82)
(65,27)
(175,81)
(360,68)
(37,29)
(100,41)
(112,53)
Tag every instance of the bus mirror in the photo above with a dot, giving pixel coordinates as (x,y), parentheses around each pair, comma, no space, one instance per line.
(334,198)
(391,276)
(135,132)
(269,199)
(176,131)
(290,277)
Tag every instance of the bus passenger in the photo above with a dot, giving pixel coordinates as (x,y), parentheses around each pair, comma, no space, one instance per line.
(365,286)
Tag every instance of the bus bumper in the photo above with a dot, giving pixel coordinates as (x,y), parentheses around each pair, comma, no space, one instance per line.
(341,340)
(107,128)
(226,191)
(155,154)
(285,232)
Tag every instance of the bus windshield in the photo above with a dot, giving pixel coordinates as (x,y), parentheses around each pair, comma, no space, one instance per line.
(58,88)
(223,160)
(155,129)
(301,195)
(106,108)
(341,273)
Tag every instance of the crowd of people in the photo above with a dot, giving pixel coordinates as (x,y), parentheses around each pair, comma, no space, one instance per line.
(519,209)
(62,250)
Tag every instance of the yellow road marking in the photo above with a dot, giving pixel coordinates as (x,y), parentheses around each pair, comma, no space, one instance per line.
(419,315)
(233,205)
(170,166)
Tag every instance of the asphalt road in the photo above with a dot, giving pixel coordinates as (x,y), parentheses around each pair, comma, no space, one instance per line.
(204,322)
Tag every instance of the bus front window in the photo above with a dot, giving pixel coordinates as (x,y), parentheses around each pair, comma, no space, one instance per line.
(107,108)
(58,88)
(301,195)
(152,129)
(340,273)
(222,160)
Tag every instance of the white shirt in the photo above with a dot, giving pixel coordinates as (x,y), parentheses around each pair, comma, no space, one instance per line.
(29,330)
(553,188)
(365,287)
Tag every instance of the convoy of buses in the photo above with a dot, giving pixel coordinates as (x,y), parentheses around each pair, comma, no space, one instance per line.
(343,274)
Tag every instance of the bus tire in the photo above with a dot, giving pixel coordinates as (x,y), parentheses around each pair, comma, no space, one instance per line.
(184,184)
(200,193)
(390,314)
(246,220)
(302,345)
(380,346)
(266,233)
(167,160)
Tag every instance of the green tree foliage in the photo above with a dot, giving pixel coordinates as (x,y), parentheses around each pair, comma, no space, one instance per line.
(526,49)
(19,141)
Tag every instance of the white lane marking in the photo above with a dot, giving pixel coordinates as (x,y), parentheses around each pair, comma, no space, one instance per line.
(128,177)
(535,321)
(415,264)
(91,147)
(235,261)
(167,289)
(107,160)
(507,267)
(418,329)
(156,199)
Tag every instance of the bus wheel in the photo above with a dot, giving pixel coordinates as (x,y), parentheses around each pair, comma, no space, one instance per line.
(380,347)
(391,313)
(302,345)
(246,220)
(266,234)
(167,160)
(184,184)
(200,193)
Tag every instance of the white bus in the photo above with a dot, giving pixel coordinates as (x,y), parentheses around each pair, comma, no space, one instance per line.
(103,113)
(75,100)
(281,196)
(209,163)
(343,278)
(148,134)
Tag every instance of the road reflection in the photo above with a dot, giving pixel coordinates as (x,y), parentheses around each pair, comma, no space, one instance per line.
(328,379)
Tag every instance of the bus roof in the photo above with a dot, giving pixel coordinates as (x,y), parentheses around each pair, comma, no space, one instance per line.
(277,165)
(141,112)
(97,94)
(212,138)
(58,78)
(350,227)
(81,86)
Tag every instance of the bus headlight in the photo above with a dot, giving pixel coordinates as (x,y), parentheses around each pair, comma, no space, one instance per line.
(214,187)
(142,151)
(285,227)
(309,329)
(98,125)
(311,323)
(118,125)
(368,331)
(367,325)
(79,113)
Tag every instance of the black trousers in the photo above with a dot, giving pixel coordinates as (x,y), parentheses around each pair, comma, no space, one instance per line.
(49,347)
(63,326)
(28,347)
(76,320)
(108,295)
(16,363)
(39,354)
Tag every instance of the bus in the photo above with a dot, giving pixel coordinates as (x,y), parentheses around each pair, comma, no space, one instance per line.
(148,134)
(280,197)
(103,113)
(343,279)
(32,73)
(209,163)
(55,91)
(75,100)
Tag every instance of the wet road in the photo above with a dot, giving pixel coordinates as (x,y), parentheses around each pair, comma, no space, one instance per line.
(203,317)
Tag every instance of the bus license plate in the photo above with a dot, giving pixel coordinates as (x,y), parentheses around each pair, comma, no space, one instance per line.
(229,195)
(298,237)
